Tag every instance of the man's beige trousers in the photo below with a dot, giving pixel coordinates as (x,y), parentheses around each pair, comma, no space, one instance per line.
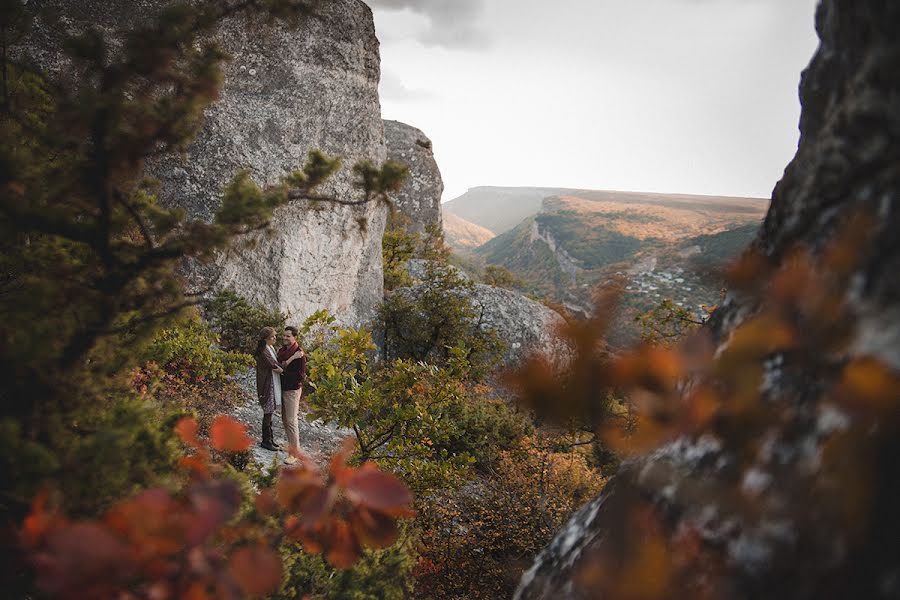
(290,406)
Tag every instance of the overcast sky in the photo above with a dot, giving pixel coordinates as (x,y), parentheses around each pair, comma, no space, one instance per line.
(690,96)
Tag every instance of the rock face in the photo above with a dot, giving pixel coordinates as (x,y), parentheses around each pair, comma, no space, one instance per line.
(287,90)
(847,163)
(525,325)
(420,198)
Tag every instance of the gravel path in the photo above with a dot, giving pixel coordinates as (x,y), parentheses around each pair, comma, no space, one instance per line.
(318,439)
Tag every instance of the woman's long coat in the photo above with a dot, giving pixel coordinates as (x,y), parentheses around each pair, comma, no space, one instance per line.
(265,380)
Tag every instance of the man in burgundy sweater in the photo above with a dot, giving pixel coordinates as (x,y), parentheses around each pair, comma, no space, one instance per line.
(292,380)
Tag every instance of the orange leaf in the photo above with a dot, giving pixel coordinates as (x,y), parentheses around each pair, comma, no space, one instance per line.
(229,435)
(869,385)
(648,435)
(194,463)
(256,569)
(760,336)
(338,468)
(186,429)
(197,591)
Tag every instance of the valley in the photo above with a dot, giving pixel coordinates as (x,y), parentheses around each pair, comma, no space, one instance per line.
(658,246)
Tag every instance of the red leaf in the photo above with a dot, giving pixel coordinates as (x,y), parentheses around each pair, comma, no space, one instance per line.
(151,522)
(338,468)
(81,560)
(295,486)
(343,550)
(378,491)
(214,504)
(373,529)
(187,430)
(195,464)
(256,569)
(229,435)
(39,521)
(265,503)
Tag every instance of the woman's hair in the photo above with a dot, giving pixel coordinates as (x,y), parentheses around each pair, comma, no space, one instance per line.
(264,334)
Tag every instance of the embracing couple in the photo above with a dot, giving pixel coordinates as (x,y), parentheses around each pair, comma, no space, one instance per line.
(279,380)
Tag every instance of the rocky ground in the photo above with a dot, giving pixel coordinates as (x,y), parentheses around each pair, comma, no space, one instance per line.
(318,439)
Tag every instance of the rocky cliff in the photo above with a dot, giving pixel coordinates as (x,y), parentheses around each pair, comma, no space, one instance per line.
(286,90)
(420,198)
(783,520)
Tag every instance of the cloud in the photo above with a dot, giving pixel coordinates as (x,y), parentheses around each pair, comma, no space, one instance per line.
(392,88)
(451,23)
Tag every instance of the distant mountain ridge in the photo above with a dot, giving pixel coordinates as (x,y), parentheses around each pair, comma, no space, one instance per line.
(499,209)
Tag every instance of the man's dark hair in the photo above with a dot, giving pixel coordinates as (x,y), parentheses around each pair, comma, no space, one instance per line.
(294,331)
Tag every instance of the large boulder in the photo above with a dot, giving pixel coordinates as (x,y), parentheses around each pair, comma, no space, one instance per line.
(802,516)
(287,90)
(526,327)
(420,198)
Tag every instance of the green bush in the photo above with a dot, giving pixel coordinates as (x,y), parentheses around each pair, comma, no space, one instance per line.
(191,348)
(379,575)
(109,452)
(398,246)
(426,322)
(499,276)
(238,322)
(427,423)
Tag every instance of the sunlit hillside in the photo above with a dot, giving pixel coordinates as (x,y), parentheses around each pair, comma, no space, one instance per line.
(462,234)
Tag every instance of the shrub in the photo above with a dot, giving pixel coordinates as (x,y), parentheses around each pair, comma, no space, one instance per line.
(500,276)
(477,541)
(667,322)
(210,534)
(191,349)
(422,421)
(378,575)
(398,246)
(238,322)
(427,322)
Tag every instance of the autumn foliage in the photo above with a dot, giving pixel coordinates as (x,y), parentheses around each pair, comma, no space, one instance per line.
(189,543)
(802,427)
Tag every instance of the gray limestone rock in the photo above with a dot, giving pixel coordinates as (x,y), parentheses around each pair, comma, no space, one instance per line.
(847,164)
(420,198)
(287,90)
(526,326)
